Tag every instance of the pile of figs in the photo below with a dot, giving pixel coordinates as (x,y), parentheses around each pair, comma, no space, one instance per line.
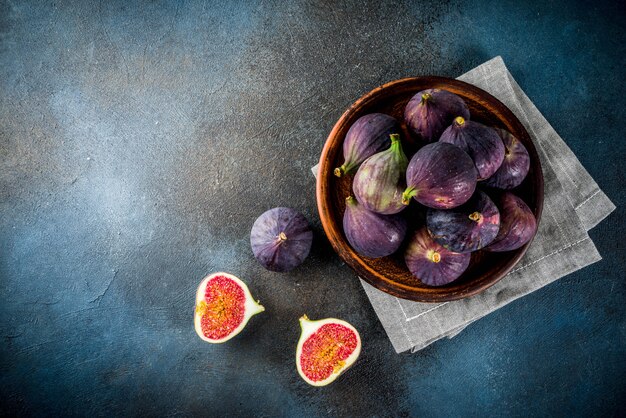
(463,177)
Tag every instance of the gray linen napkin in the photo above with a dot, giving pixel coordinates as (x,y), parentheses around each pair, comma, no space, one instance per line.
(573,204)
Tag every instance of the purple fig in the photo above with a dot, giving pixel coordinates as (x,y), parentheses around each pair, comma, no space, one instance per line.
(515,165)
(467,228)
(379,182)
(517,224)
(431,111)
(481,142)
(371,234)
(281,239)
(430,262)
(367,136)
(440,176)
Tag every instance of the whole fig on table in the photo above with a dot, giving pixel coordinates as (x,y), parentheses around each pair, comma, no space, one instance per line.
(440,176)
(466,228)
(379,182)
(517,224)
(431,111)
(372,234)
(515,165)
(367,136)
(430,262)
(281,239)
(481,142)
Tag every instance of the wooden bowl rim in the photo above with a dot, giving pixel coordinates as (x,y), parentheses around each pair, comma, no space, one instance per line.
(339,243)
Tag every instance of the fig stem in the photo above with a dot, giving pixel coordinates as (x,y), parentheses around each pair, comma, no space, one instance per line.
(459,120)
(346,168)
(282,237)
(476,216)
(426,97)
(408,194)
(434,256)
(350,200)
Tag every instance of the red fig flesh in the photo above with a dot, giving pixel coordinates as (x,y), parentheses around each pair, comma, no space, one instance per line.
(326,349)
(223,307)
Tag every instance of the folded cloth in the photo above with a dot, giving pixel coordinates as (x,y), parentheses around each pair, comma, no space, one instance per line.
(573,204)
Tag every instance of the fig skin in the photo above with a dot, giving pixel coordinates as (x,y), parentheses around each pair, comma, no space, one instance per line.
(379,181)
(431,263)
(281,239)
(366,137)
(440,176)
(517,224)
(466,228)
(431,111)
(371,234)
(515,165)
(481,142)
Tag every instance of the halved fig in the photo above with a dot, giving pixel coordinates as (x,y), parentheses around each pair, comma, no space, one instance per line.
(224,306)
(326,349)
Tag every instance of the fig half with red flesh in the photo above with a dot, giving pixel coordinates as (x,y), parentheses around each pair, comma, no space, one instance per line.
(224,306)
(326,349)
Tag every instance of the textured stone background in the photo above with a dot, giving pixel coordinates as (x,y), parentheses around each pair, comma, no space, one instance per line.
(138,143)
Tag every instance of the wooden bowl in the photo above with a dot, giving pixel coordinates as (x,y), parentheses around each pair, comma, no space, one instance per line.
(390,274)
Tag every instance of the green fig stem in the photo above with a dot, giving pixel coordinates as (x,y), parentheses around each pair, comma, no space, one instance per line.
(282,237)
(350,200)
(426,97)
(408,194)
(346,168)
(459,121)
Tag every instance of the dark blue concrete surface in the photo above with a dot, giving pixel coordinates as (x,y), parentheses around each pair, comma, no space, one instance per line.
(138,143)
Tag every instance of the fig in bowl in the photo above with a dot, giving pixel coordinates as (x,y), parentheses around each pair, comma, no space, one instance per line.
(432,263)
(467,228)
(515,165)
(517,224)
(367,136)
(372,234)
(440,176)
(379,182)
(481,142)
(431,111)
